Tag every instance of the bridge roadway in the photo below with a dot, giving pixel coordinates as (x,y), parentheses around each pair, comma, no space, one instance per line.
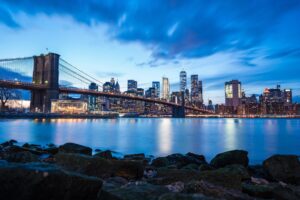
(32,86)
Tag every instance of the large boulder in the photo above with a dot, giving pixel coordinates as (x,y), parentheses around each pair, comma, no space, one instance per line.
(167,176)
(228,177)
(180,196)
(75,148)
(213,190)
(284,168)
(100,167)
(260,191)
(19,157)
(133,191)
(40,181)
(160,162)
(104,154)
(229,158)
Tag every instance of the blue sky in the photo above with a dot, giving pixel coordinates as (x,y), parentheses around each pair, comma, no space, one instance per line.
(256,42)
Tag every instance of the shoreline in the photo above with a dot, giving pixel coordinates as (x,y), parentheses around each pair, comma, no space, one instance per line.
(116,115)
(101,176)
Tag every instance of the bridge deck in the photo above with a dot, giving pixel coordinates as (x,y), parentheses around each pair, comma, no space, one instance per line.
(32,86)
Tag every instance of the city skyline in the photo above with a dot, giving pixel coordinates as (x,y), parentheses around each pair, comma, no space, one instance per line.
(260,54)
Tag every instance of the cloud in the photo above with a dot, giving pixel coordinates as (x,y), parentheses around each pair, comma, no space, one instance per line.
(294,52)
(171,29)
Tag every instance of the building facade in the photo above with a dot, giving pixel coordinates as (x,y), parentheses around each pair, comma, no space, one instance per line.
(131,85)
(183,81)
(165,94)
(233,93)
(156,86)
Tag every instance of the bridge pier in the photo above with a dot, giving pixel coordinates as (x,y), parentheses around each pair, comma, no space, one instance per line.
(45,72)
(179,111)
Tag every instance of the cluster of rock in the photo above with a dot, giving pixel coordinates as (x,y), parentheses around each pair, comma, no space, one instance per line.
(71,171)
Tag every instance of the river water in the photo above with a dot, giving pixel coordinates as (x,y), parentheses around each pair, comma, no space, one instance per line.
(163,136)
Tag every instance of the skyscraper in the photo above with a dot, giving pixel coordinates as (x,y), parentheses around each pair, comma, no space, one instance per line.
(132,85)
(196,90)
(233,93)
(165,88)
(182,77)
(92,100)
(156,86)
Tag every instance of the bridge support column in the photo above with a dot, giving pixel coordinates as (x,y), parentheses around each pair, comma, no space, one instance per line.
(179,112)
(45,72)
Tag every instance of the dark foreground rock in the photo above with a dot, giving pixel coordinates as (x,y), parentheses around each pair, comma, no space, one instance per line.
(41,181)
(133,191)
(75,148)
(229,158)
(99,167)
(284,168)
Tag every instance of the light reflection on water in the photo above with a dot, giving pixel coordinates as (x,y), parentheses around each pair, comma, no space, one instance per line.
(162,136)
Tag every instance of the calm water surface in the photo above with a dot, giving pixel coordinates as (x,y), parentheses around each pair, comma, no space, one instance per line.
(162,136)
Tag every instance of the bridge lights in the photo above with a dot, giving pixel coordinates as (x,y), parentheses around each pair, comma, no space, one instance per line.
(46,81)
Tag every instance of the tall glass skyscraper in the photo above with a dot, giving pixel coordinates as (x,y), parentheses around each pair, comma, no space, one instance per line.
(165,93)
(196,90)
(233,93)
(132,85)
(156,86)
(92,100)
(182,78)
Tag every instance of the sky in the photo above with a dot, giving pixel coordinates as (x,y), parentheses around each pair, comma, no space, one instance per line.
(256,42)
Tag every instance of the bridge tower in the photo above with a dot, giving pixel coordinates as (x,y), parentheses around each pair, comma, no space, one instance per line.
(45,72)
(179,112)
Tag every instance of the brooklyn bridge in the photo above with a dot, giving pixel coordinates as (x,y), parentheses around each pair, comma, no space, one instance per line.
(45,83)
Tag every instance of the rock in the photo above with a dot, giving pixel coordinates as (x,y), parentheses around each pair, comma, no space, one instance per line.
(288,192)
(41,181)
(191,167)
(228,177)
(284,168)
(180,160)
(133,191)
(205,167)
(19,157)
(139,156)
(200,158)
(8,143)
(257,171)
(180,196)
(75,148)
(229,158)
(261,191)
(168,176)
(104,154)
(212,190)
(51,150)
(15,149)
(160,162)
(32,146)
(176,187)
(96,166)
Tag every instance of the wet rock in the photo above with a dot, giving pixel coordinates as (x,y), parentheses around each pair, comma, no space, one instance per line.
(32,146)
(284,168)
(191,167)
(133,191)
(213,190)
(229,158)
(176,187)
(228,177)
(205,167)
(139,156)
(19,157)
(8,143)
(96,166)
(51,150)
(160,162)
(261,191)
(182,160)
(15,149)
(75,148)
(257,171)
(41,181)
(288,192)
(104,154)
(200,159)
(180,196)
(168,176)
